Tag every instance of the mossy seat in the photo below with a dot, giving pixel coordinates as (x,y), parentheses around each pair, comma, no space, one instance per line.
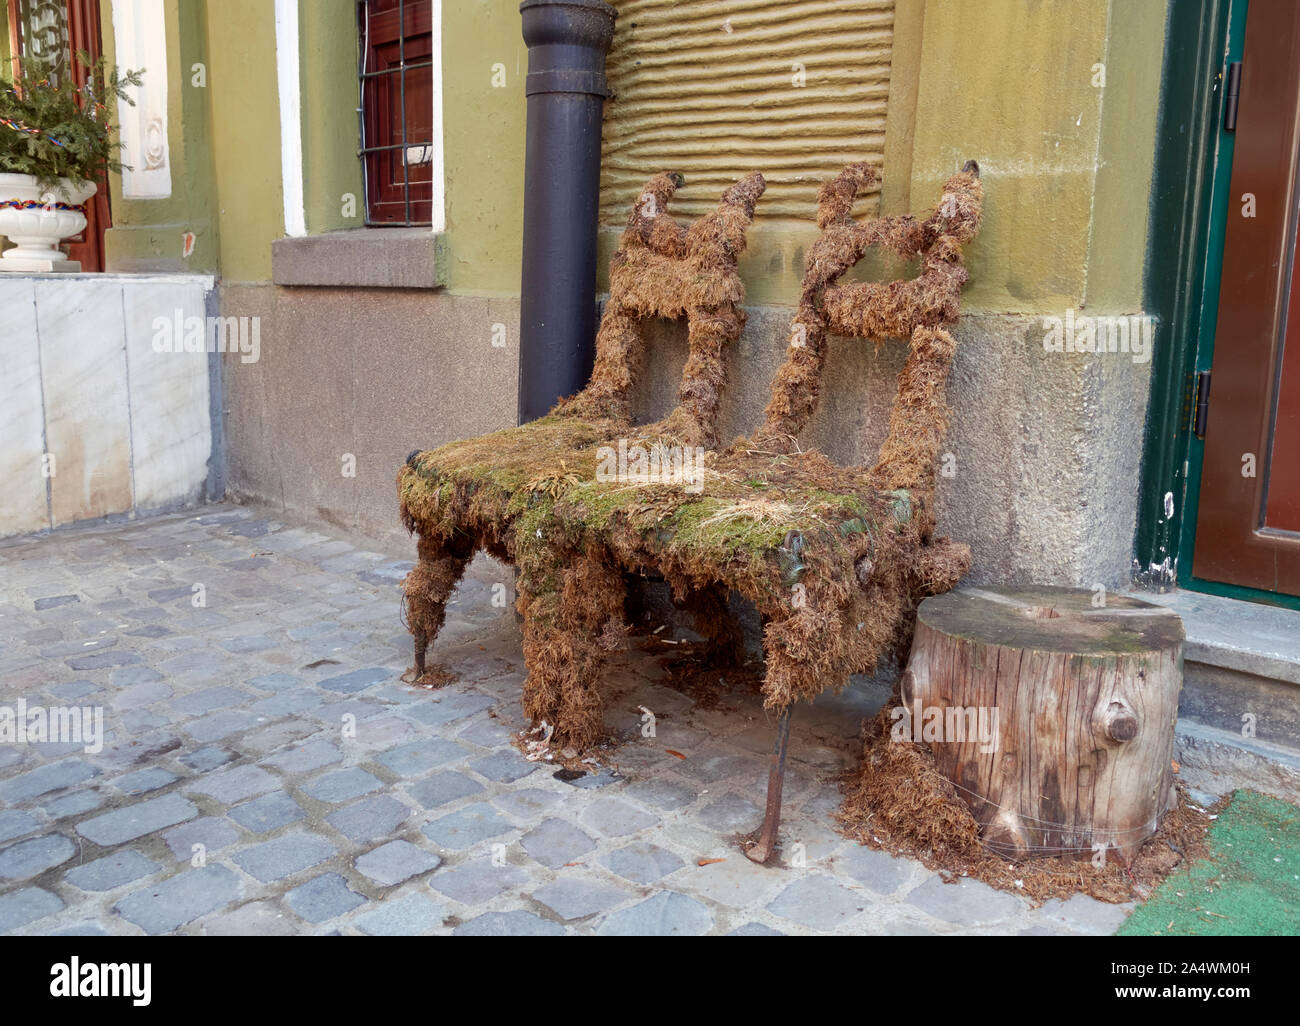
(467,496)
(472,484)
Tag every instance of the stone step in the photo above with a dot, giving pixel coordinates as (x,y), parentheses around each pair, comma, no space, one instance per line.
(1239,711)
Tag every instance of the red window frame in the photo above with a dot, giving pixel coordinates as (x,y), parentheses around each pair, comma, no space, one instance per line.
(397,110)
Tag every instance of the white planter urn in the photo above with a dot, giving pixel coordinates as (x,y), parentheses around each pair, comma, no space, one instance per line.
(37,219)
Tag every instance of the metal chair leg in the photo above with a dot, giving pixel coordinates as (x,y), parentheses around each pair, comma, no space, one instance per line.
(765,846)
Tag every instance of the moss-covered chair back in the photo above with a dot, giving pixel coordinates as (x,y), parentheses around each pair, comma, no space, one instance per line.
(918,310)
(662,270)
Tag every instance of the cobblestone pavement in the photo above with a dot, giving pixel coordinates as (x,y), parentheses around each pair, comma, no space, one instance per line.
(265,771)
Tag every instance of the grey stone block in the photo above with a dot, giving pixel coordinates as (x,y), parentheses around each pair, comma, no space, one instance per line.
(206,759)
(1083,914)
(342,785)
(52,776)
(467,827)
(478,881)
(642,862)
(256,919)
(26,859)
(18,908)
(516,923)
(306,757)
(616,818)
(574,898)
(661,793)
(555,842)
(126,824)
(73,804)
(217,725)
(419,757)
(817,901)
(284,856)
(54,601)
(356,680)
(323,897)
(112,871)
(396,861)
(143,781)
(370,819)
(103,660)
(876,870)
(235,784)
(212,833)
(967,902)
(452,706)
(275,681)
(528,803)
(443,788)
(15,823)
(666,914)
(270,812)
(505,766)
(730,814)
(168,905)
(408,916)
(755,930)
(198,703)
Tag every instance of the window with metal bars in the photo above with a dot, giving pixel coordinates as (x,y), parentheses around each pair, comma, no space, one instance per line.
(396,71)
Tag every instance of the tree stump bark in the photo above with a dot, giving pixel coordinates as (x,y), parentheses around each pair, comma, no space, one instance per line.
(1053,716)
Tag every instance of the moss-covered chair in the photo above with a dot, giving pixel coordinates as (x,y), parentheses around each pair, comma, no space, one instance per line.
(834,558)
(470,495)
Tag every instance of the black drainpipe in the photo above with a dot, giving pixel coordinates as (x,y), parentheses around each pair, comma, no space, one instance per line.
(567,42)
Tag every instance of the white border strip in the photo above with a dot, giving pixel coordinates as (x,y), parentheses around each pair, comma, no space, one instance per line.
(438,170)
(290,88)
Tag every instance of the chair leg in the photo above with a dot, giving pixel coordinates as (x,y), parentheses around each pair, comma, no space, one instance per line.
(566,641)
(763,849)
(428,587)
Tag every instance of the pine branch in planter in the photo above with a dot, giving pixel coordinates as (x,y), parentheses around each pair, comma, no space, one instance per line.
(51,129)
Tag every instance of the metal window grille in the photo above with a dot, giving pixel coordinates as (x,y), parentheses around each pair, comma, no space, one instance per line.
(396,157)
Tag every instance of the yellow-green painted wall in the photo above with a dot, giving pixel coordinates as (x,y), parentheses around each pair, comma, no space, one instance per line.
(483,130)
(1011,84)
(245,116)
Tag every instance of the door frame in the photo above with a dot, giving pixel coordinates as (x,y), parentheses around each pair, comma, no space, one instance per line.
(1188,218)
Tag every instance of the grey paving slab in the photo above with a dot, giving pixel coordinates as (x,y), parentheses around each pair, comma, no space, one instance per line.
(112,871)
(467,827)
(342,785)
(323,897)
(478,881)
(411,915)
(126,824)
(26,859)
(18,908)
(270,812)
(666,914)
(395,862)
(164,907)
(516,923)
(284,856)
(370,818)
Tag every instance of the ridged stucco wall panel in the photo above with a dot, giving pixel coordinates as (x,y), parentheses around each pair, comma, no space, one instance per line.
(714,89)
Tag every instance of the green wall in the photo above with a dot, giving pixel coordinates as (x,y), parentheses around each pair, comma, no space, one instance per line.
(1010,83)
(1067,165)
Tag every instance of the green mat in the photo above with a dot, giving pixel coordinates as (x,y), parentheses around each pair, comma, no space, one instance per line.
(1250,885)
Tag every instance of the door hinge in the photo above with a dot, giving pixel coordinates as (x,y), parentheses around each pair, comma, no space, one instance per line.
(1202,404)
(1231,96)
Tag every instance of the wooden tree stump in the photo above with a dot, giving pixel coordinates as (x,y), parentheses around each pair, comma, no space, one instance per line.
(1054,717)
